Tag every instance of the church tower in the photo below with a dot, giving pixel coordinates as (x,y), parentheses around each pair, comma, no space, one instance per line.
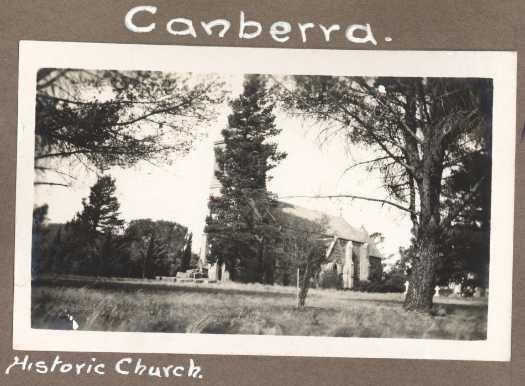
(215,185)
(214,191)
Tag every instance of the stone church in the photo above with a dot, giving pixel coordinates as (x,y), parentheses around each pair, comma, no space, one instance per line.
(351,255)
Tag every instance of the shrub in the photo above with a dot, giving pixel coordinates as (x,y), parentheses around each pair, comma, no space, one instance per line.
(389,284)
(395,282)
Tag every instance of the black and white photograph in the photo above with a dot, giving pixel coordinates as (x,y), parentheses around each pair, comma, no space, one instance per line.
(264,201)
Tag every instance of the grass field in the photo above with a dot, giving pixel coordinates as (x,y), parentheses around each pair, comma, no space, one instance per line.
(153,306)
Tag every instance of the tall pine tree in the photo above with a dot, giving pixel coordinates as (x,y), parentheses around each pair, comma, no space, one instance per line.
(186,253)
(242,232)
(100,213)
(94,230)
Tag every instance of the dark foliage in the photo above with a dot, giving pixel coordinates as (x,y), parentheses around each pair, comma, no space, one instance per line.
(240,227)
(39,245)
(155,248)
(388,285)
(106,118)
(96,243)
(186,258)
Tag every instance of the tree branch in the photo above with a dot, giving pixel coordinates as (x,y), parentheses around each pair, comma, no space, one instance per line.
(171,109)
(96,102)
(51,183)
(62,154)
(398,206)
(364,163)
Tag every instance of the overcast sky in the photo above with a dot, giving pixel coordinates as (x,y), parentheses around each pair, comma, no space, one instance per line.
(179,192)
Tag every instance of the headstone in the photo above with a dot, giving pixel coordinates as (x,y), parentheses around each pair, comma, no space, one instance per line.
(406,287)
(436,291)
(478,292)
(212,272)
(225,275)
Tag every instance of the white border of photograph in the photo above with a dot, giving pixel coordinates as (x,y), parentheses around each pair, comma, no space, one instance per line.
(500,66)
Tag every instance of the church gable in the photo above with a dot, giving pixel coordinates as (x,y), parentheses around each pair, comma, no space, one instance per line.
(336,253)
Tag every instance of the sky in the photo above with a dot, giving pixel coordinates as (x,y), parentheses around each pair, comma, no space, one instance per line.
(179,192)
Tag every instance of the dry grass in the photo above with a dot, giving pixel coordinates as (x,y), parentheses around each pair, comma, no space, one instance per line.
(248,309)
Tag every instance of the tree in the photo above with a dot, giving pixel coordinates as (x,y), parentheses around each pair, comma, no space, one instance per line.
(394,279)
(186,253)
(56,251)
(94,228)
(100,212)
(304,249)
(420,128)
(39,259)
(155,247)
(106,118)
(240,227)
(467,243)
(377,238)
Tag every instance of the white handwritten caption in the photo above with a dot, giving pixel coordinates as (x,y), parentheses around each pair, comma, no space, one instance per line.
(248,29)
(125,366)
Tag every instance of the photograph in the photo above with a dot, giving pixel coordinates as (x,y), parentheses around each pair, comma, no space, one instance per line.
(355,203)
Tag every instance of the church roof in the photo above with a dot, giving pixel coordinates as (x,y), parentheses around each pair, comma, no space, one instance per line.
(335,225)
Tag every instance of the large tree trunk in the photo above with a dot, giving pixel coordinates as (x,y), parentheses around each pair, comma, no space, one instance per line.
(422,279)
(427,231)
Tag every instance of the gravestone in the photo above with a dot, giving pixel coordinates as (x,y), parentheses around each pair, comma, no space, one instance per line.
(436,291)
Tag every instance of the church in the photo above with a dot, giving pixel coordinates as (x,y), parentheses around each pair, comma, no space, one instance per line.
(351,254)
(351,257)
